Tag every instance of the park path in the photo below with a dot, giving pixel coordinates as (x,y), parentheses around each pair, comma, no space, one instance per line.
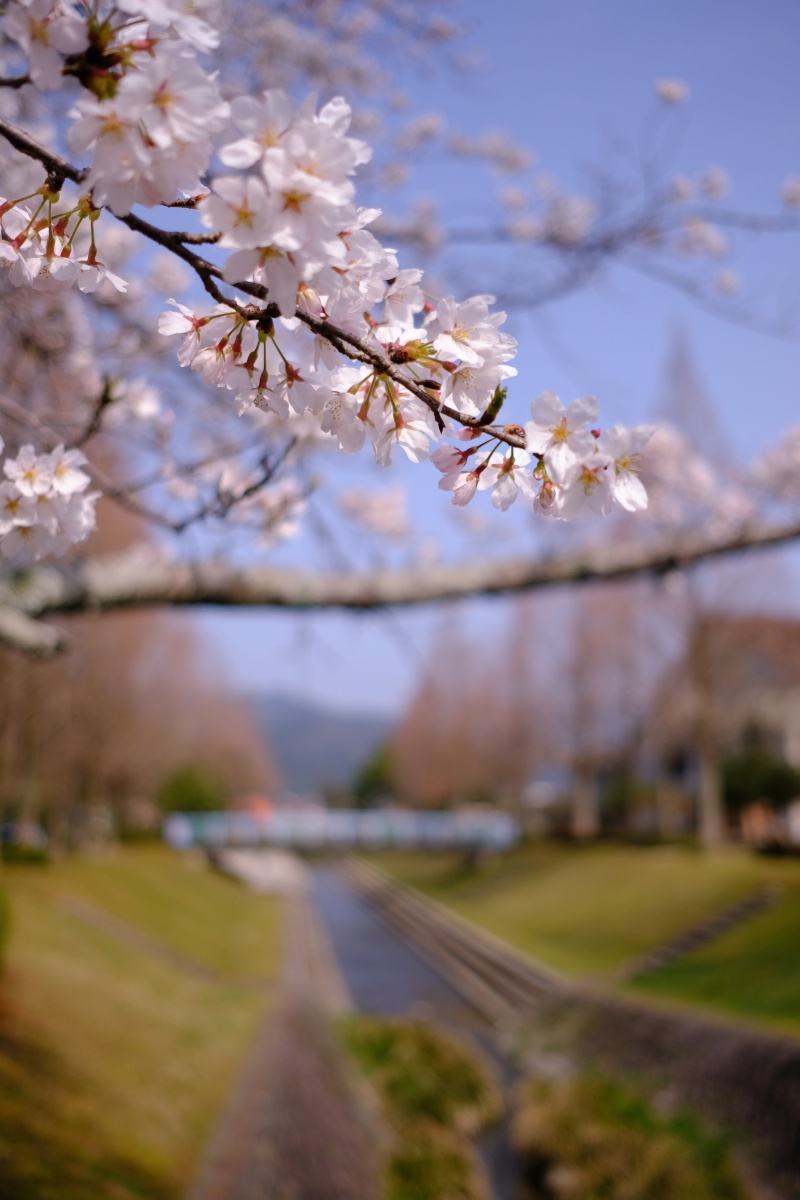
(294,1128)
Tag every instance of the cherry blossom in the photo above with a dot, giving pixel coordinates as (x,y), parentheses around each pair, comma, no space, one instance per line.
(464,487)
(44,505)
(66,474)
(32,474)
(624,447)
(466,330)
(561,435)
(403,298)
(587,483)
(46,31)
(508,477)
(313,327)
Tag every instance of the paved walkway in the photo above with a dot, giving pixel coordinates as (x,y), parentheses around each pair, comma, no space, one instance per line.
(275,871)
(296,1126)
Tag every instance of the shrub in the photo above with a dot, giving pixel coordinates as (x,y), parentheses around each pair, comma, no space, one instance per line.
(193,788)
(755,774)
(375,780)
(593,1139)
(435,1093)
(29,856)
(430,1163)
(424,1073)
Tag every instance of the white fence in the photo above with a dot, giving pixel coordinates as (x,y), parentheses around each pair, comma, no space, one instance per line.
(344,828)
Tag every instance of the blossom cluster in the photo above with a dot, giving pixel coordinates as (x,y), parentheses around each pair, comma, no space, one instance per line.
(53,250)
(566,468)
(776,473)
(44,504)
(310,284)
(272,513)
(384,513)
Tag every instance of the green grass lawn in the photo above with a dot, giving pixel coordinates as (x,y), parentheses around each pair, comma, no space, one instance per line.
(752,971)
(114,1062)
(588,910)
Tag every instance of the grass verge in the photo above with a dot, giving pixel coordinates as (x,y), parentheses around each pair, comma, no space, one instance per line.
(589,910)
(114,1060)
(591,1138)
(435,1094)
(752,971)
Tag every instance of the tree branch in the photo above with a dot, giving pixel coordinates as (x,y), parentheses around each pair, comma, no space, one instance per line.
(32,637)
(134,580)
(32,149)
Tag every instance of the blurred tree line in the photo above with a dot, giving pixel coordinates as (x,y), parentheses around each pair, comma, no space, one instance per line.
(115,727)
(628,709)
(98,740)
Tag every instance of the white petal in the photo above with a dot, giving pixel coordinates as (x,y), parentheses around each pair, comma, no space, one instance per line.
(629,491)
(583,412)
(547,410)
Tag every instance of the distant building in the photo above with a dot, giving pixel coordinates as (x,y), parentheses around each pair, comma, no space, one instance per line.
(739,675)
(737,685)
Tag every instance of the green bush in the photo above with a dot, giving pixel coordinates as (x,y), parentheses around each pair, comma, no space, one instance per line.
(430,1163)
(623,795)
(5,924)
(29,856)
(755,774)
(593,1139)
(193,788)
(435,1093)
(423,1072)
(375,780)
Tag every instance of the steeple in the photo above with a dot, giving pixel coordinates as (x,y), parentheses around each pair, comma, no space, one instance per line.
(686,403)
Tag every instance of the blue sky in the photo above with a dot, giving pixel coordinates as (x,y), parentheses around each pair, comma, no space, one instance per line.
(568,78)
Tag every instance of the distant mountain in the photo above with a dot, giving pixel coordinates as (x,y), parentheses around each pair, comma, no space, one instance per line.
(316,747)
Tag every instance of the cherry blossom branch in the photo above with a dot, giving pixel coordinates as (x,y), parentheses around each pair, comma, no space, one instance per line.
(31,637)
(752,222)
(131,580)
(56,165)
(346,343)
(95,422)
(44,431)
(223,503)
(610,240)
(28,420)
(662,273)
(293,227)
(584,256)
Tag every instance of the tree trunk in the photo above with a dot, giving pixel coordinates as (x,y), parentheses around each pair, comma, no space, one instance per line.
(711,811)
(585,809)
